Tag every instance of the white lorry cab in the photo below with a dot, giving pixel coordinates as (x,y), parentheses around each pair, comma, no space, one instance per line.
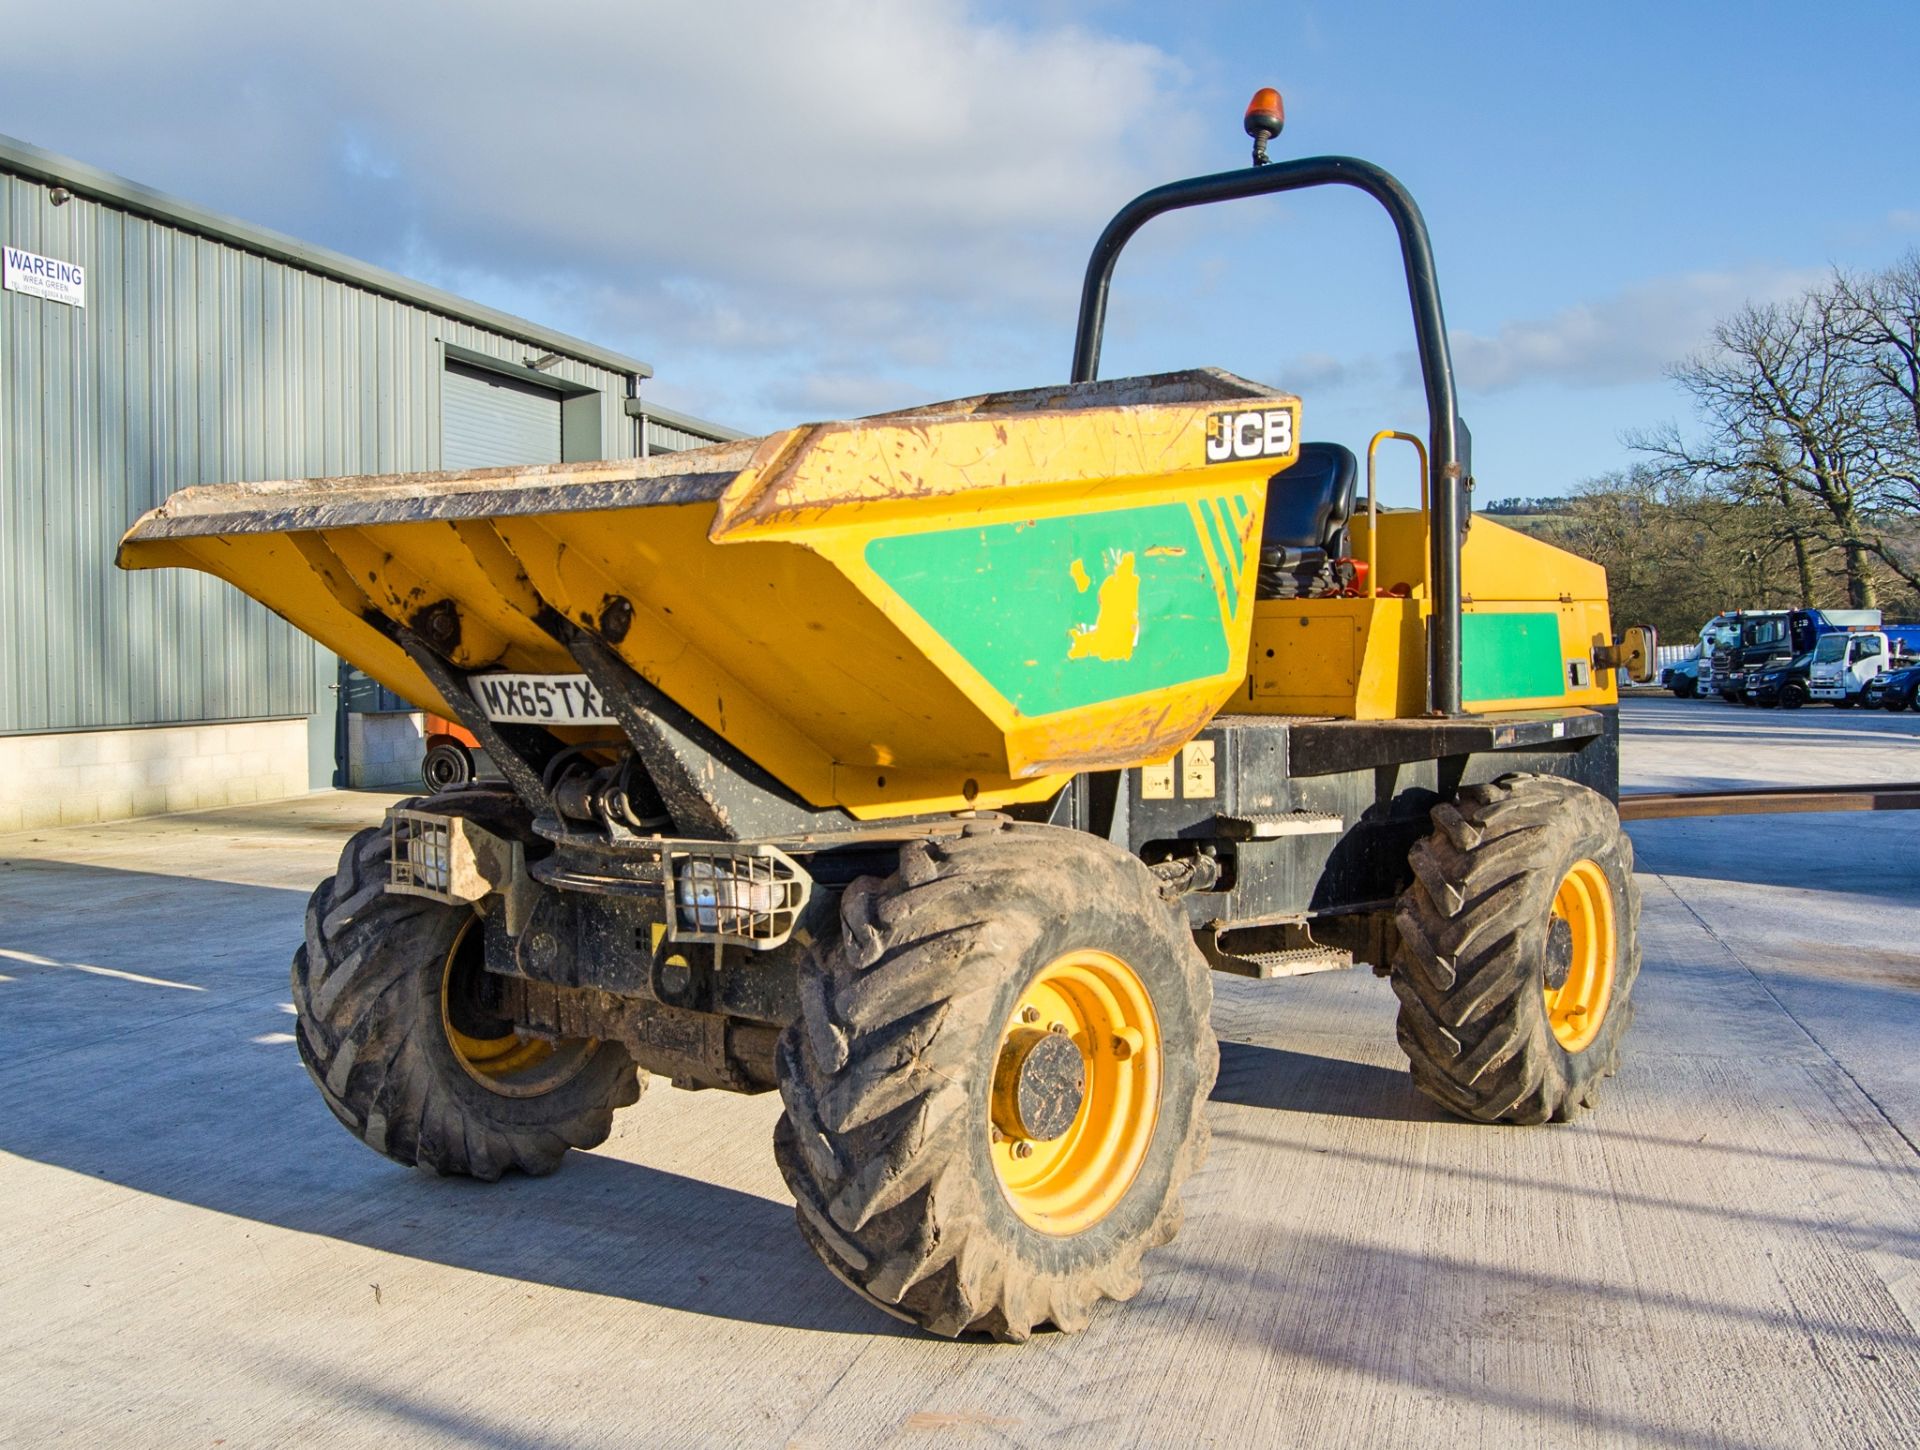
(1845,660)
(1717,633)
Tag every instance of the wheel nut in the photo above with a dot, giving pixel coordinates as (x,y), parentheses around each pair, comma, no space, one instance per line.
(1057,1027)
(1023,1149)
(1126,1042)
(1029,1014)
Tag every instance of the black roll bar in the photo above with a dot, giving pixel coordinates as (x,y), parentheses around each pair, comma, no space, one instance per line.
(1446,462)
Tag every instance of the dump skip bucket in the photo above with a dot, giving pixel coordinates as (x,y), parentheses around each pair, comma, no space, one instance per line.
(954,606)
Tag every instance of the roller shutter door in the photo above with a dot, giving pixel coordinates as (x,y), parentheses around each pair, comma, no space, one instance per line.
(488,420)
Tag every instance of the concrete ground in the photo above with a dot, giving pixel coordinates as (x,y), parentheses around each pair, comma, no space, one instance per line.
(1724,1254)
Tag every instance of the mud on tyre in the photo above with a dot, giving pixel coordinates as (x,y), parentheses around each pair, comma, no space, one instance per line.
(399,1028)
(936,1170)
(1518,949)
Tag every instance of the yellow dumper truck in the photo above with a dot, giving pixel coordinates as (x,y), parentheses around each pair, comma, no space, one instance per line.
(924,767)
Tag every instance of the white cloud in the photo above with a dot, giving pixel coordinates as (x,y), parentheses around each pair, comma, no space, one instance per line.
(1323,373)
(1631,336)
(738,177)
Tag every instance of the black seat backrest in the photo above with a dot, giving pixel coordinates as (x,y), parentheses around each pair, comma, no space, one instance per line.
(1308,505)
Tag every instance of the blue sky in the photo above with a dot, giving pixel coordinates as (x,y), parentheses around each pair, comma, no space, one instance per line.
(800,211)
(1600,182)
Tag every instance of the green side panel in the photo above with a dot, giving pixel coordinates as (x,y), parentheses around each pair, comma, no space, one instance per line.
(1510,657)
(1064,612)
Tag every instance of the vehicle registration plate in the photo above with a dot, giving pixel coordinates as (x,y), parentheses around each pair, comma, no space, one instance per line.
(540,699)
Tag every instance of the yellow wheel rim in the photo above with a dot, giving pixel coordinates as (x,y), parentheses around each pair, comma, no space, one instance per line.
(1575,1009)
(1069,1183)
(506,1063)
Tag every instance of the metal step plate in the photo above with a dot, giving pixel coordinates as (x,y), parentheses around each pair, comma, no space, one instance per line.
(1294,962)
(1281,823)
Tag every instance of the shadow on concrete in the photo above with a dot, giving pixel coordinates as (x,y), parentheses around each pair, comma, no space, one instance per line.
(1861,853)
(1737,783)
(168,1070)
(1862,1234)
(1326,1295)
(1256,1076)
(136,1055)
(1680,721)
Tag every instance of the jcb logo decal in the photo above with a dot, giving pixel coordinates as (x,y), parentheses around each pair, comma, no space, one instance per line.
(1256,433)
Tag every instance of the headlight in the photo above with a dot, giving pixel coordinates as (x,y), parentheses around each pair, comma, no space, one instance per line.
(744,895)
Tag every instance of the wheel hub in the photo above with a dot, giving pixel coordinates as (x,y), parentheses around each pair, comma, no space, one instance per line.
(1559,953)
(487,1046)
(1039,1085)
(1075,1092)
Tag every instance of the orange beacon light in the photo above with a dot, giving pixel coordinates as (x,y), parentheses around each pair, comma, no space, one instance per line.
(1265,116)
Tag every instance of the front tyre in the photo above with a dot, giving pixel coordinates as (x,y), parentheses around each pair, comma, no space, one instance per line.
(1518,950)
(997,1084)
(401,1028)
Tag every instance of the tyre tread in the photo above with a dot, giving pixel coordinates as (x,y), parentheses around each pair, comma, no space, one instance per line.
(871,1078)
(1464,967)
(352,979)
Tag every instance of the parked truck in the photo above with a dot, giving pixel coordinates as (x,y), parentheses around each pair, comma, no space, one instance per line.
(1844,662)
(1752,639)
(1721,630)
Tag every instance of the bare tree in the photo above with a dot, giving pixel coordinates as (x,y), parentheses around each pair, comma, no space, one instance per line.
(1807,472)
(1880,317)
(1791,418)
(1676,552)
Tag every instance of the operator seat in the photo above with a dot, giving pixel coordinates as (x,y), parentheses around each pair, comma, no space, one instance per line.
(1303,543)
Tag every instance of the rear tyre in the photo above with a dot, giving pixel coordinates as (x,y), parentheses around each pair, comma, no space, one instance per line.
(1518,949)
(399,1027)
(449,764)
(944,1164)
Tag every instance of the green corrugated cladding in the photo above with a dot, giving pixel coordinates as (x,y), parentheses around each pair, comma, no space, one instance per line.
(194,361)
(665,438)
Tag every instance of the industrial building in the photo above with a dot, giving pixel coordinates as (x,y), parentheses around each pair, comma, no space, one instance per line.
(147,345)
